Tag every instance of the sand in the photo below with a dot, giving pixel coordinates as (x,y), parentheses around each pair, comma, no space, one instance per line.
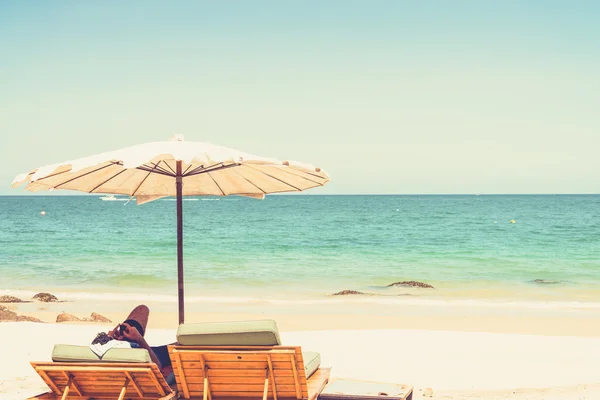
(456,365)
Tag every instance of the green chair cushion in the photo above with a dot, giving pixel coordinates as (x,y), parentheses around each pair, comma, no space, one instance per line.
(235,333)
(71,353)
(312,361)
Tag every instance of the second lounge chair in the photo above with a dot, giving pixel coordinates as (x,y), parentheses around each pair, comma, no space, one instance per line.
(243,359)
(76,372)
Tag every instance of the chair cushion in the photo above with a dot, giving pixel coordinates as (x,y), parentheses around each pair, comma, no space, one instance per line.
(236,333)
(312,361)
(71,353)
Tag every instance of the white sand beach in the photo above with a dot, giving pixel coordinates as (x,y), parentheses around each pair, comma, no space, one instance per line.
(456,365)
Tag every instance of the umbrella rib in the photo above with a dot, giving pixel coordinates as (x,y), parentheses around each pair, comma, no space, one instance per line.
(212,169)
(289,171)
(140,185)
(63,172)
(200,168)
(253,184)
(208,173)
(271,176)
(193,172)
(168,166)
(153,170)
(307,173)
(114,176)
(186,170)
(82,175)
(157,167)
(146,177)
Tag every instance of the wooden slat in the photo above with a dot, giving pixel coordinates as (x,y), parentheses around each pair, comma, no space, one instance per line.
(241,358)
(96,377)
(296,377)
(49,382)
(244,381)
(235,357)
(233,349)
(285,380)
(236,387)
(97,365)
(271,377)
(135,384)
(107,384)
(102,376)
(85,385)
(95,368)
(103,396)
(250,373)
(248,365)
(291,385)
(161,390)
(242,396)
(250,395)
(180,373)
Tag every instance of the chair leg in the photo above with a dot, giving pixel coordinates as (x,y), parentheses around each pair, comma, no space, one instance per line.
(266,390)
(124,389)
(205,390)
(66,392)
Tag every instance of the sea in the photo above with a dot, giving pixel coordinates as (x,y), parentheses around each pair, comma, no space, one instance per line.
(481,250)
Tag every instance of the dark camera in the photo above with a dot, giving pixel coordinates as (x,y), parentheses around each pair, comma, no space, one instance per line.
(122,328)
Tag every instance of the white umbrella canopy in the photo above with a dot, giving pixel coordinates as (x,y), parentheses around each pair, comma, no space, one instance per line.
(147,171)
(175,168)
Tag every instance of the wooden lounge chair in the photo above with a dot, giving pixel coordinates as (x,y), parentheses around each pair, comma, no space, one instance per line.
(76,372)
(243,360)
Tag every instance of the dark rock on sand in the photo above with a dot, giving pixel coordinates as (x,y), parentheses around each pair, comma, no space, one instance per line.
(7,315)
(45,297)
(95,317)
(545,282)
(28,318)
(347,292)
(10,299)
(411,284)
(64,317)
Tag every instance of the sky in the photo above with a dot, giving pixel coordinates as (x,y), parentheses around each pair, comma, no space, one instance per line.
(388,97)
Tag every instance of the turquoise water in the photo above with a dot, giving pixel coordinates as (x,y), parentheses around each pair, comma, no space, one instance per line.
(306,247)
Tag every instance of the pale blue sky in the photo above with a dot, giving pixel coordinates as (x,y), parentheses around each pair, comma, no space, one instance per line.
(387,96)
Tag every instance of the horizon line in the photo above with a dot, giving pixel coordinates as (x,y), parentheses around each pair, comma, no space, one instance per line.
(319,194)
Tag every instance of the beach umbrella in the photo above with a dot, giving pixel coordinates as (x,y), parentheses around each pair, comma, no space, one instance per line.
(175,168)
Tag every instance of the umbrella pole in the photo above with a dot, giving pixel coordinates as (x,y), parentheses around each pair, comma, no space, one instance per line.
(178,185)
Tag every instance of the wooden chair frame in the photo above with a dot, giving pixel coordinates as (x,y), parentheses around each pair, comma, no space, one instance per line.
(234,372)
(102,381)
